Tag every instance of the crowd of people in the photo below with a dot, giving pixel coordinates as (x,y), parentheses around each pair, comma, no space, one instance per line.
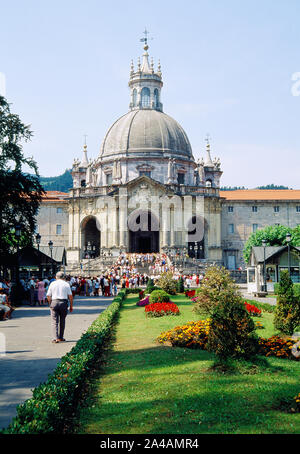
(128,271)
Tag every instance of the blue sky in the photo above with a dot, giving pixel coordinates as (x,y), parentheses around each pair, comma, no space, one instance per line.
(227,69)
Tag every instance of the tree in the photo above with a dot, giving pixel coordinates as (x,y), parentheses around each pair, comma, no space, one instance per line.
(231,328)
(216,285)
(275,235)
(287,312)
(180,285)
(167,283)
(20,193)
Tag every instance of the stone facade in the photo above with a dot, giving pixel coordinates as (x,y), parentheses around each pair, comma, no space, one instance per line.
(244,212)
(146,174)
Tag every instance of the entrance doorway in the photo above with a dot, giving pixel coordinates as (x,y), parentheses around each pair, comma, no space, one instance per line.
(90,238)
(144,232)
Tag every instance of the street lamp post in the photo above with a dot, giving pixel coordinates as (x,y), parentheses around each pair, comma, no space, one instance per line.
(50,244)
(18,232)
(38,240)
(288,240)
(89,248)
(264,243)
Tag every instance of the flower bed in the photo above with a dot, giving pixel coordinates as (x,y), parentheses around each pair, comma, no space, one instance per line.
(252,310)
(143,302)
(259,325)
(195,335)
(191,335)
(54,402)
(276,346)
(190,293)
(141,294)
(161,309)
(297,402)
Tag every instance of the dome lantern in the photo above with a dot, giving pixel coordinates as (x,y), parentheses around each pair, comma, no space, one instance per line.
(145,84)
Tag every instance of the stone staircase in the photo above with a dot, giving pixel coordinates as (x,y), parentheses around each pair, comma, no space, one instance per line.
(93,267)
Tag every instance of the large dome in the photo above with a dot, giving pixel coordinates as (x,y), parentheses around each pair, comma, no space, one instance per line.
(146,132)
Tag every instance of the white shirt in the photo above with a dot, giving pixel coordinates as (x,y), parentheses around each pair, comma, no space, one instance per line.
(59,290)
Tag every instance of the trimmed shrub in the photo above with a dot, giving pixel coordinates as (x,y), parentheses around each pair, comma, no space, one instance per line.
(150,285)
(54,402)
(287,312)
(132,290)
(159,296)
(180,285)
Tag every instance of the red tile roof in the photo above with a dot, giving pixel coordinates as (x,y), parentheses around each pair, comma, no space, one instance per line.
(54,196)
(262,194)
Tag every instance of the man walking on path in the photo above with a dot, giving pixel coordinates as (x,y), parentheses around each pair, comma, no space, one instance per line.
(59,292)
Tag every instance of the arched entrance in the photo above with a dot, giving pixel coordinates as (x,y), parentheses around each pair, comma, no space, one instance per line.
(90,238)
(143,229)
(196,238)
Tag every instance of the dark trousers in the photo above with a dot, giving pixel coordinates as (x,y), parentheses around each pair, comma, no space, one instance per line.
(59,311)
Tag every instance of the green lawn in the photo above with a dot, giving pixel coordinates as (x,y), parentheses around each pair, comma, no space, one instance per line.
(146,388)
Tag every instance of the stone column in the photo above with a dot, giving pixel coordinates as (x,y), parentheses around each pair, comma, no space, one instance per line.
(123,215)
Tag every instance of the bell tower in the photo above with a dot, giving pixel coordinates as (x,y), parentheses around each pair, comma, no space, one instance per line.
(145,83)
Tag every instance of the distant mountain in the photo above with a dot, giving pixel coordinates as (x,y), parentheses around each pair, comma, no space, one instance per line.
(62,183)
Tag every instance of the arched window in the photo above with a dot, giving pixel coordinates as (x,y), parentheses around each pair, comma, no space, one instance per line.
(208,183)
(134,96)
(156,97)
(145,97)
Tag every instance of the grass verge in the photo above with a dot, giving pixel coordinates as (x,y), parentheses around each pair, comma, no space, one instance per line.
(147,388)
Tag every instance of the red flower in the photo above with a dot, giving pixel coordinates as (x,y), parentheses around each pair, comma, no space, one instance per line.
(159,309)
(251,309)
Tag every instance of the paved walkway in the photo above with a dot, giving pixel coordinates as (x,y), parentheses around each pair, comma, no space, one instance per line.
(30,356)
(265,299)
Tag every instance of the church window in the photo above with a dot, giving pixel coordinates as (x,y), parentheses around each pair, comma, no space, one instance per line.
(254,209)
(108,179)
(230,228)
(276,209)
(180,178)
(230,209)
(58,229)
(156,97)
(145,97)
(134,97)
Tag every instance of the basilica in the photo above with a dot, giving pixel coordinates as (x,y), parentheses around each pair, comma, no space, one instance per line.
(145,192)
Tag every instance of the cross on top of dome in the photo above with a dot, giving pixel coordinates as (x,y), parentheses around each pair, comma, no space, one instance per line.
(145,40)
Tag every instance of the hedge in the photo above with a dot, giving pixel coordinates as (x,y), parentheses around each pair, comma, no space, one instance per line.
(54,403)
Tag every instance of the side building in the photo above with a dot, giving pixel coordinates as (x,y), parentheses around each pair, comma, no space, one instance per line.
(248,210)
